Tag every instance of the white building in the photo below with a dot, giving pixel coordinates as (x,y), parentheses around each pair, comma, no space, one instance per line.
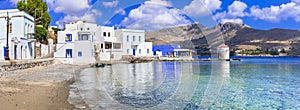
(21,39)
(75,45)
(223,52)
(106,40)
(133,43)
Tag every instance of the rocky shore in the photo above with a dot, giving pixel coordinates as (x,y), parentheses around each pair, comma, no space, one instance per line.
(38,88)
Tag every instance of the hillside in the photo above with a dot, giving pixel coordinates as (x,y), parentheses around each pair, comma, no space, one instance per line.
(237,36)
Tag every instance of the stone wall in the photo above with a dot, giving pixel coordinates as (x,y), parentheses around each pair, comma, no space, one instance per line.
(23,64)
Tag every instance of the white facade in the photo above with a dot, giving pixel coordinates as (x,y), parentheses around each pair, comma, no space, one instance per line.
(133,42)
(75,45)
(223,52)
(21,39)
(105,41)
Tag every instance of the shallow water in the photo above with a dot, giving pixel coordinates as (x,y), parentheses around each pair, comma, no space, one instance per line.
(253,83)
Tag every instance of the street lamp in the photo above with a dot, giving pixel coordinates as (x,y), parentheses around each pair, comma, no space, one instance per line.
(7,18)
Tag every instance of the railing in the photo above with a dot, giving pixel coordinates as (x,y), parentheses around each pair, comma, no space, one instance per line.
(30,36)
(110,39)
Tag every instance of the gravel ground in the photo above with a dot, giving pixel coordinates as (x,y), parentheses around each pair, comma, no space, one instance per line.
(38,88)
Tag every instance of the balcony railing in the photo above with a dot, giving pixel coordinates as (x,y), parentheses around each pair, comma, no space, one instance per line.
(30,36)
(110,39)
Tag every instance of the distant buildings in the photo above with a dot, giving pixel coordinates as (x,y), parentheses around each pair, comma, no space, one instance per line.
(21,39)
(171,51)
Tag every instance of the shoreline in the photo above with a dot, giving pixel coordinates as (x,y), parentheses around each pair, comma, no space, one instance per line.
(38,88)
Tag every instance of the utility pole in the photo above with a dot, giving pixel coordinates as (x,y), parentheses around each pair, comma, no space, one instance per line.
(7,35)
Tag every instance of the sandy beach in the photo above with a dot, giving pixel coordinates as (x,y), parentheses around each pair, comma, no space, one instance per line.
(38,88)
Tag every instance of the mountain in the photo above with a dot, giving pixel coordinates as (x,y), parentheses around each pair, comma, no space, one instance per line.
(237,36)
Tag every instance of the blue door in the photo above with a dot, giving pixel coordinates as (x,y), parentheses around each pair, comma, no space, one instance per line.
(15,51)
(133,52)
(68,53)
(4,48)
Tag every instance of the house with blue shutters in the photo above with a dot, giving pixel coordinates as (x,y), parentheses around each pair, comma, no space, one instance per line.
(20,34)
(75,45)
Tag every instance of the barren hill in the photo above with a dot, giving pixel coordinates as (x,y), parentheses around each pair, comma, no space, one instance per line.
(237,36)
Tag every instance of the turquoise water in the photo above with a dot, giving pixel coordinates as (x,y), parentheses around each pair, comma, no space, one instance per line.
(253,83)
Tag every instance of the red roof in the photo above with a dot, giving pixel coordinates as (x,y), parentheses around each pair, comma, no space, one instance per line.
(223,46)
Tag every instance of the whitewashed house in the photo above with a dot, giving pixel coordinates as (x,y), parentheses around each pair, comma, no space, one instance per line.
(106,41)
(75,45)
(133,43)
(21,39)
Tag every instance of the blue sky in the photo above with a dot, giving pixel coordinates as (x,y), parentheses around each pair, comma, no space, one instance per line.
(155,14)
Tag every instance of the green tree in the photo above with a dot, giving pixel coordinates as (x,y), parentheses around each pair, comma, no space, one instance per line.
(39,10)
(41,32)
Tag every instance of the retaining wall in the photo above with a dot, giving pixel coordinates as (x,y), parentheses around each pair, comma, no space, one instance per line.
(23,64)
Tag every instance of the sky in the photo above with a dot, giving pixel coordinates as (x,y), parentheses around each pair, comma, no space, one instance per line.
(156,14)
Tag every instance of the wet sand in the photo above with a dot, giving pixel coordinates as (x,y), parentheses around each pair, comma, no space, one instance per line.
(39,88)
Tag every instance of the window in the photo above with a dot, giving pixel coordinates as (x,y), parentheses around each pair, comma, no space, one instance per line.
(108,45)
(79,54)
(133,38)
(68,53)
(87,28)
(140,51)
(127,51)
(148,51)
(140,38)
(104,34)
(108,34)
(81,28)
(31,29)
(117,45)
(127,38)
(25,28)
(68,38)
(101,46)
(83,37)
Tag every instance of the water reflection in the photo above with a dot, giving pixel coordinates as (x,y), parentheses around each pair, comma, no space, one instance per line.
(157,85)
(192,85)
(220,74)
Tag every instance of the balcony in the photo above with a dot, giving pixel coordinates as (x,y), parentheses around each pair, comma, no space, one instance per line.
(30,36)
(135,43)
(110,39)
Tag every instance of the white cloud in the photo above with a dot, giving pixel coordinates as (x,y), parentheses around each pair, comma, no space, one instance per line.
(277,13)
(235,11)
(159,2)
(69,7)
(152,16)
(296,1)
(237,8)
(120,11)
(236,20)
(89,16)
(202,7)
(110,4)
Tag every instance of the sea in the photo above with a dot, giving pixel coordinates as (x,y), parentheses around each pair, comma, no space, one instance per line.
(263,83)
